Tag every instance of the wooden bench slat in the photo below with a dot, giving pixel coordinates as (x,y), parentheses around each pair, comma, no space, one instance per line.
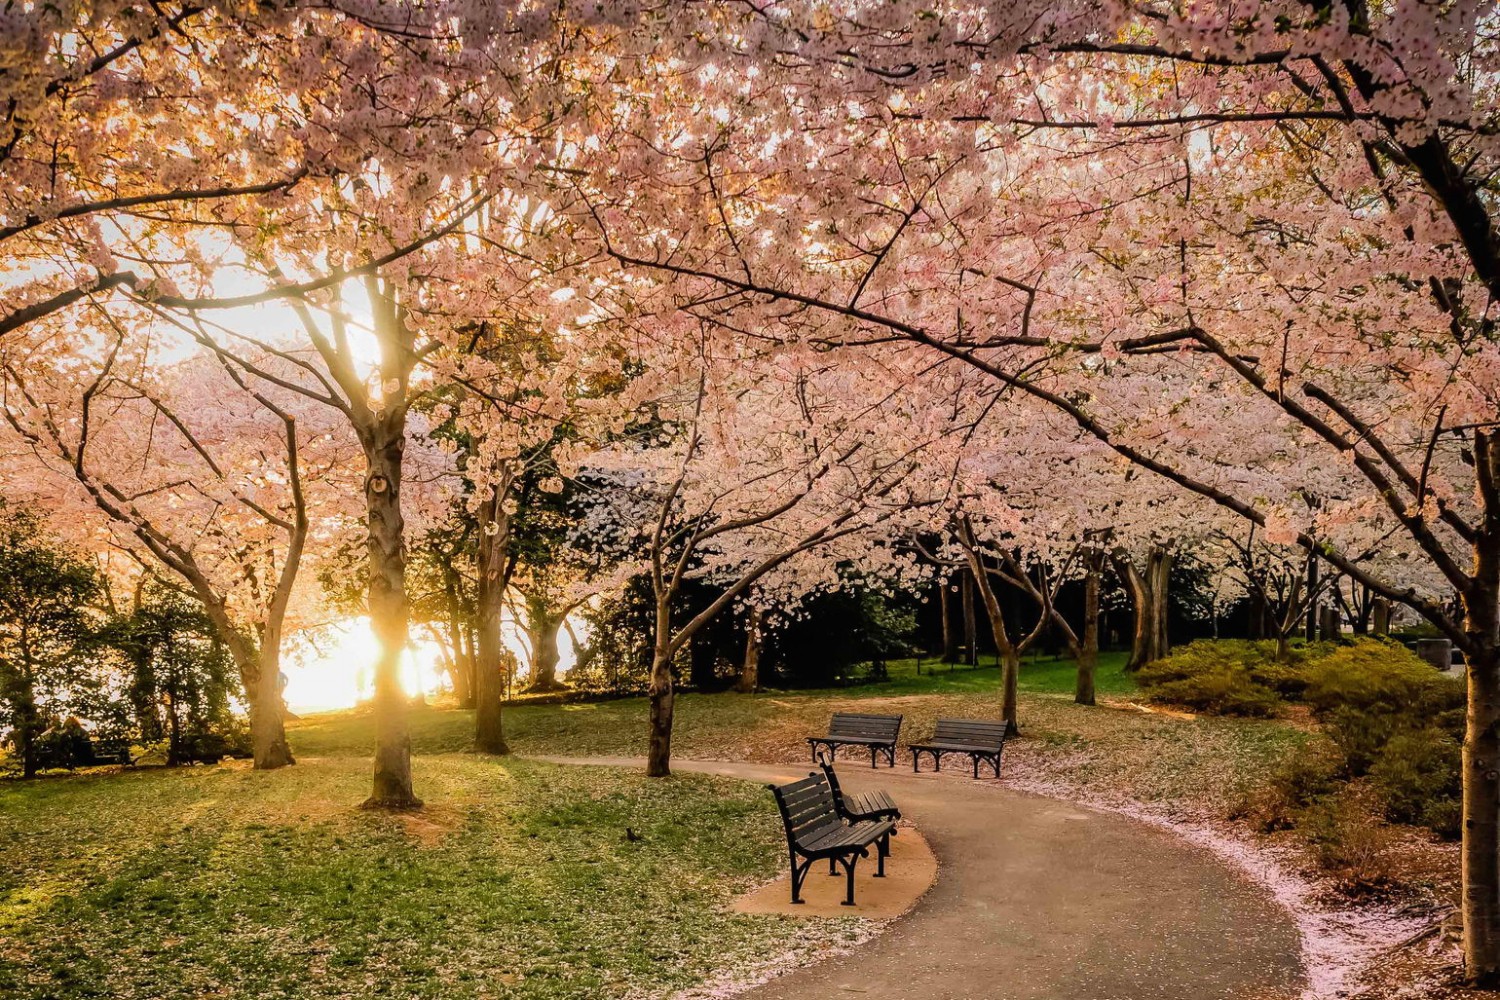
(981,739)
(867,805)
(815,828)
(876,732)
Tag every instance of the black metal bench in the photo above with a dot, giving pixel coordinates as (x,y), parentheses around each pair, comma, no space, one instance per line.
(981,740)
(878,732)
(815,830)
(857,806)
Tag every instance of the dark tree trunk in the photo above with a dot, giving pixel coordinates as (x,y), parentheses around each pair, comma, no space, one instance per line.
(749,679)
(1481,798)
(542,629)
(971,625)
(1312,597)
(462,667)
(661,695)
(1381,616)
(384,441)
(1256,611)
(1088,654)
(1481,753)
(950,634)
(490,663)
(22,696)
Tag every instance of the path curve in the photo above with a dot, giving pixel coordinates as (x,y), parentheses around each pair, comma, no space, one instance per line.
(1038,899)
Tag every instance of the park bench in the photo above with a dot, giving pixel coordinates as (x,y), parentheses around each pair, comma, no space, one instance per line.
(878,732)
(815,830)
(857,806)
(979,739)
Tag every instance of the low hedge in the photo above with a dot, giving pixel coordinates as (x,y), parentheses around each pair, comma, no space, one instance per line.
(1389,714)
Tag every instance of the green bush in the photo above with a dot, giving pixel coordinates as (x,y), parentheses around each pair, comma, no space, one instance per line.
(1222,677)
(1370,691)
(1219,692)
(1389,714)
(1298,782)
(1417,775)
(1374,673)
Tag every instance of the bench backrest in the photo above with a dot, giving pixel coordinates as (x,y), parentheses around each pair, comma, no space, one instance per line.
(806,806)
(834,788)
(979,732)
(868,727)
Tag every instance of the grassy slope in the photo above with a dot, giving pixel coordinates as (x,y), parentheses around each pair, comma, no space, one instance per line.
(517,881)
(1153,756)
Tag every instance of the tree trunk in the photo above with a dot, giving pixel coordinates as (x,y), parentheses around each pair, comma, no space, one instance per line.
(661,695)
(28,721)
(1148,599)
(1481,753)
(489,666)
(950,634)
(1382,616)
(749,679)
(543,628)
(1160,567)
(971,626)
(267,708)
(1256,625)
(1481,803)
(1312,597)
(174,732)
(1088,654)
(1362,612)
(462,668)
(1010,656)
(384,442)
(1143,615)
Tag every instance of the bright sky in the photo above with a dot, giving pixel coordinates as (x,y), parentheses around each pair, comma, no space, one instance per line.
(338,671)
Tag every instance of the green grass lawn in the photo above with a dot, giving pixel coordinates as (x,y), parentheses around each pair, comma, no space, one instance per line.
(1114,748)
(517,881)
(1039,675)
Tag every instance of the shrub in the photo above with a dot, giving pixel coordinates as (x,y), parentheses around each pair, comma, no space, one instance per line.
(1417,774)
(1297,783)
(1222,678)
(1374,673)
(1219,692)
(1370,691)
(1349,841)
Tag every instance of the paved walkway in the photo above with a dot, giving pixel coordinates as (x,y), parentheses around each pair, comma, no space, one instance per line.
(1042,900)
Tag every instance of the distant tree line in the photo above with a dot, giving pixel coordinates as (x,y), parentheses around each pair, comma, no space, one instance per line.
(85,679)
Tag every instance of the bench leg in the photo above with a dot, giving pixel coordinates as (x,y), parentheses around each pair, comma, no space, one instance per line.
(849,862)
(833,866)
(872,756)
(976,767)
(937,760)
(799,875)
(997,765)
(915,754)
(882,851)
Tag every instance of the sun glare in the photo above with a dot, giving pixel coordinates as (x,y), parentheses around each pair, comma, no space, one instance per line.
(336,670)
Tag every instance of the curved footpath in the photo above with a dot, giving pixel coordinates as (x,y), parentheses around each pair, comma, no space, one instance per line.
(1043,900)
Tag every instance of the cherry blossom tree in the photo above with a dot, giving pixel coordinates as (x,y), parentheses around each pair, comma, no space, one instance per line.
(743,468)
(1279,206)
(188,467)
